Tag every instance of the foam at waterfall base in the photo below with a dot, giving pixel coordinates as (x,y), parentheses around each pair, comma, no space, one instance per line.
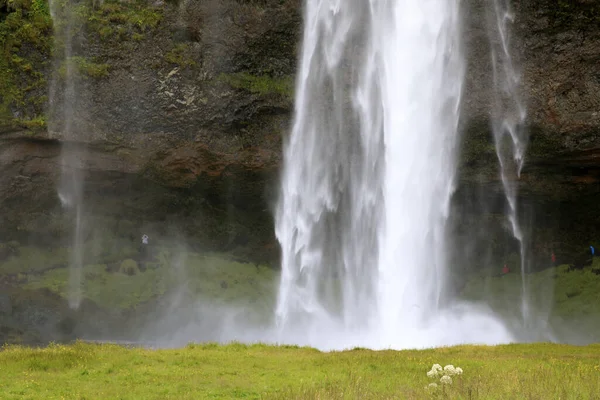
(462,323)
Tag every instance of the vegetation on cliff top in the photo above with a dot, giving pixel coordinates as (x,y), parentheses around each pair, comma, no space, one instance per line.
(532,371)
(118,21)
(27,47)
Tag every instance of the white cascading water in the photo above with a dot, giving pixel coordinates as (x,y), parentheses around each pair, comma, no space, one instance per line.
(368,175)
(70,187)
(508,122)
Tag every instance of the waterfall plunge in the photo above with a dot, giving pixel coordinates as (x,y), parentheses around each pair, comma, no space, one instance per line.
(368,174)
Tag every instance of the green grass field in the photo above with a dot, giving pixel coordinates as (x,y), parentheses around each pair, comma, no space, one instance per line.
(209,371)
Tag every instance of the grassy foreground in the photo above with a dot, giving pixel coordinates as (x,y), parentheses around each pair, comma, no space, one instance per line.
(87,371)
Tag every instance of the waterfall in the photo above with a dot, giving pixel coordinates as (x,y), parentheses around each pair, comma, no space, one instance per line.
(368,174)
(63,97)
(508,121)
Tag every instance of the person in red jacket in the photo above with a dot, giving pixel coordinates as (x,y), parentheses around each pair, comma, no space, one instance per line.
(553,258)
(505,270)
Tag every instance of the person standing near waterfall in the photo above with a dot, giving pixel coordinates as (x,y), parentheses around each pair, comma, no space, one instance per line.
(144,247)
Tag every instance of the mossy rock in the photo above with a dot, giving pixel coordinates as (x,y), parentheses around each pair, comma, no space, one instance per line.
(261,85)
(26,43)
(129,267)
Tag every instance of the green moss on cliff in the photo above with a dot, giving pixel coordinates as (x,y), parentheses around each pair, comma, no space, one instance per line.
(85,67)
(35,124)
(122,21)
(262,85)
(179,56)
(110,20)
(25,48)
(27,43)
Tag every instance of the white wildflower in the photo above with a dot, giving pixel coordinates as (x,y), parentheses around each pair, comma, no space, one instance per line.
(445,373)
(450,370)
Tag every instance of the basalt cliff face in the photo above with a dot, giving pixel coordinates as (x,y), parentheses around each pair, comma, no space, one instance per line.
(556,46)
(182,106)
(179,113)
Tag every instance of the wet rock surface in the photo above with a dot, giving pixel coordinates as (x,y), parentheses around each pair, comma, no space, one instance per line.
(183,133)
(187,123)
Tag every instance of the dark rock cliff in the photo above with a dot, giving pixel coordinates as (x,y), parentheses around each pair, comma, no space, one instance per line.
(556,45)
(179,113)
(181,107)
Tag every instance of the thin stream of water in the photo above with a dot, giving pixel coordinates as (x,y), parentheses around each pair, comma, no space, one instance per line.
(63,95)
(508,123)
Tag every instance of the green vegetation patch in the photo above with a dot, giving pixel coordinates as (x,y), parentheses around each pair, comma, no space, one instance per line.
(33,259)
(127,283)
(179,56)
(217,277)
(25,46)
(113,290)
(532,371)
(129,267)
(110,20)
(262,85)
(36,260)
(559,291)
(27,42)
(84,67)
(120,20)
